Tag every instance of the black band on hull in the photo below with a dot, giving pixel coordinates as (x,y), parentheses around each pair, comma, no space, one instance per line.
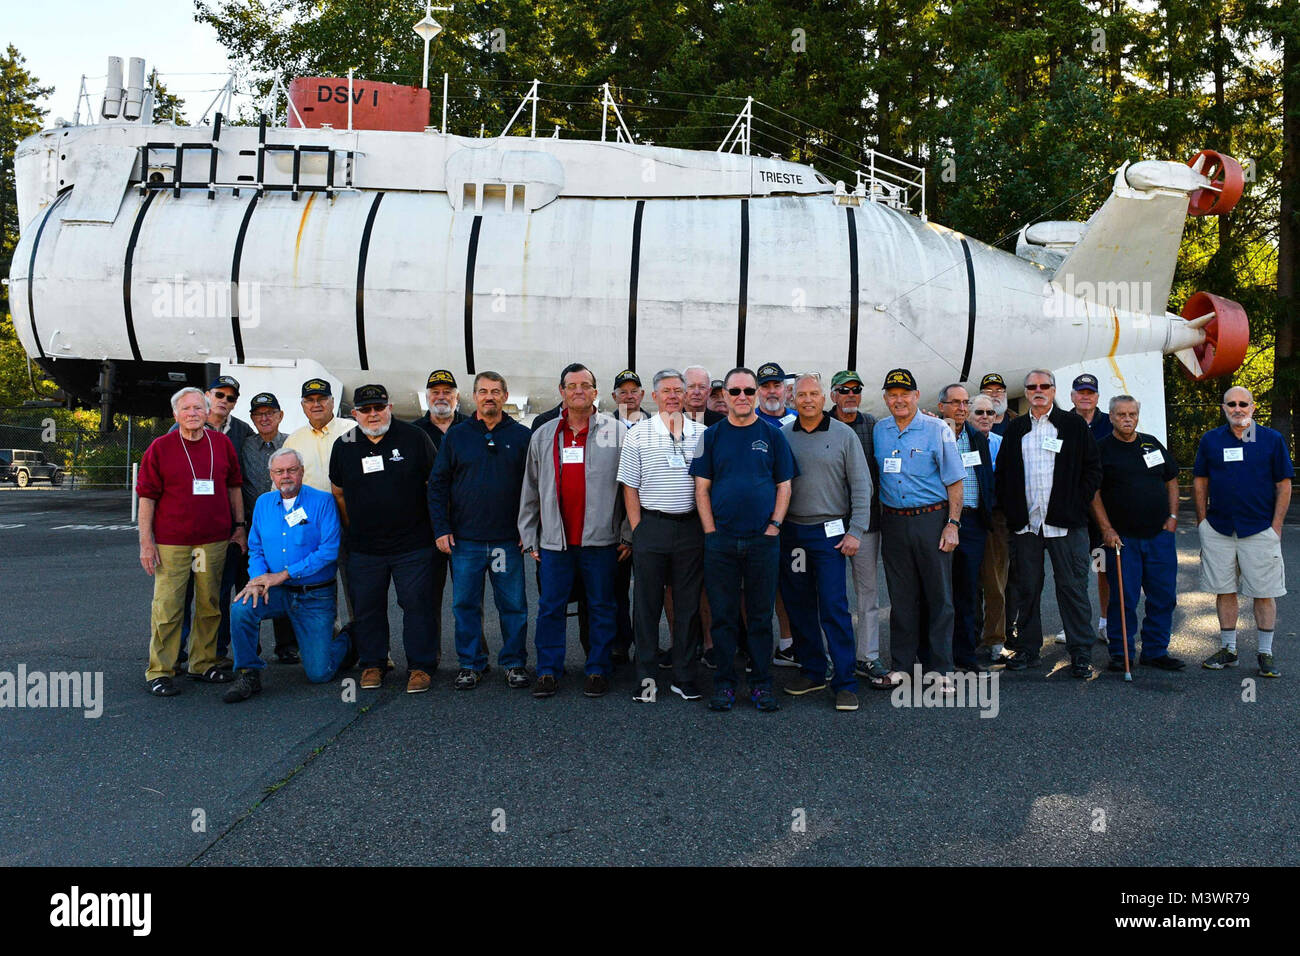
(126,273)
(234,280)
(632,284)
(970,321)
(31,271)
(743,304)
(470,258)
(853,288)
(361,282)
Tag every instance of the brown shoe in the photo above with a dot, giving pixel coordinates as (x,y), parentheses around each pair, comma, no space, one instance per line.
(372,678)
(418,682)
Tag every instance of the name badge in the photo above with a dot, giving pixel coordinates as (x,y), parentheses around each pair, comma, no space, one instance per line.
(893,466)
(372,463)
(1153,458)
(204,486)
(1229,454)
(674,461)
(296,517)
(571,455)
(834,528)
(970,459)
(1053,445)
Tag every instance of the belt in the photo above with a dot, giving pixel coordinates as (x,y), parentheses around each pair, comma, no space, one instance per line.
(304,588)
(908,512)
(685,516)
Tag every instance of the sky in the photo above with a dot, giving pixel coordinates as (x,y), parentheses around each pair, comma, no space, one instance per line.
(62,39)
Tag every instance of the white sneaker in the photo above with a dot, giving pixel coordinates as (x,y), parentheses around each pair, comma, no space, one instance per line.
(995,652)
(1060,637)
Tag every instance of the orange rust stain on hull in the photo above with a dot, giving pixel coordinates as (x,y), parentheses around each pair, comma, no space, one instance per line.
(302,224)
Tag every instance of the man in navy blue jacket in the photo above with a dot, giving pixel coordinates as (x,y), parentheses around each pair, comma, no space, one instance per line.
(474,506)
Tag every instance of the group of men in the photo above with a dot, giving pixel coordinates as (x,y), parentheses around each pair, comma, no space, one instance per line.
(736,500)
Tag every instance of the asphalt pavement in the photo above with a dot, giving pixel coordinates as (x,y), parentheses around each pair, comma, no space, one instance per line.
(1184,768)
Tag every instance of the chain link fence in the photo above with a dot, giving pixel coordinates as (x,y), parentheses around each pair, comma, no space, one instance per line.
(86,458)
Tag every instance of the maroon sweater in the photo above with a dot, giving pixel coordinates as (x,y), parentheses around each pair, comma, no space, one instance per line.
(180,516)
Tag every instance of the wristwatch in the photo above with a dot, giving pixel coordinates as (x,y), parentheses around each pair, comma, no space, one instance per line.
(774,523)
(954,522)
(241,524)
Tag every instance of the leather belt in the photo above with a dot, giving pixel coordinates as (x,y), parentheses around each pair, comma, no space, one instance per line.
(908,512)
(685,516)
(304,588)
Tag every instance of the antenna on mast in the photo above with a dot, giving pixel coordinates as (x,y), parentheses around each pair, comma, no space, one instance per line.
(621,134)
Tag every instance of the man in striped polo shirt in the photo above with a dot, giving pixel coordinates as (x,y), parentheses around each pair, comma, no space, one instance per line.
(667,539)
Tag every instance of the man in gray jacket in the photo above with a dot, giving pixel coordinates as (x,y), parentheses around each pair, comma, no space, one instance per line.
(570,520)
(830,511)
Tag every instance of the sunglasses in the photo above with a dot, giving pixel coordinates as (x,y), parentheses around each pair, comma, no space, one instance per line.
(224,397)
(849,389)
(1237,404)
(1038,388)
(371,409)
(737,391)
(983,411)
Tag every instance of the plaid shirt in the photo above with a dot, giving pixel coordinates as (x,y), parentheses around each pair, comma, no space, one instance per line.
(1039,464)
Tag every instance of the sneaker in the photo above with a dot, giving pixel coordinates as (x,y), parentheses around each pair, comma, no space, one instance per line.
(871,670)
(1266,666)
(764,700)
(803,684)
(546,686)
(784,658)
(1018,661)
(246,684)
(665,659)
(372,678)
(1060,637)
(1165,662)
(724,698)
(846,700)
(597,685)
(648,693)
(710,661)
(163,687)
(466,679)
(996,653)
(1081,669)
(517,677)
(686,690)
(1220,659)
(418,682)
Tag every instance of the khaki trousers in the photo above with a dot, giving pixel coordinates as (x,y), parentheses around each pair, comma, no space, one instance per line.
(175,564)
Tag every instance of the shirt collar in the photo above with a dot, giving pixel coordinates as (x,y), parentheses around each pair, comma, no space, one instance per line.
(823,426)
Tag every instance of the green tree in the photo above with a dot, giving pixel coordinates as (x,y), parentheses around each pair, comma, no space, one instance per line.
(167,106)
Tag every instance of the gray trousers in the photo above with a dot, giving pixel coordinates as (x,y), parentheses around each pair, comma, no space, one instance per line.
(1070,570)
(919,576)
(864,584)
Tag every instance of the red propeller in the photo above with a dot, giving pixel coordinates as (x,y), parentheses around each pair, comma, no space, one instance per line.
(1227,334)
(1226,183)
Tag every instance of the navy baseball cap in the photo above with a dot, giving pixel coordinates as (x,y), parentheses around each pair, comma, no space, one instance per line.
(369,395)
(264,400)
(770,372)
(440,376)
(225,381)
(316,386)
(900,378)
(625,376)
(1086,381)
(992,378)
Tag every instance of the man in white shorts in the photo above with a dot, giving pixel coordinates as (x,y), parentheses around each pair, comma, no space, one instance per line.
(1242,487)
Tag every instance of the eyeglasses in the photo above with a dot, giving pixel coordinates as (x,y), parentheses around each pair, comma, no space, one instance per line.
(984,411)
(264,413)
(580,386)
(1237,404)
(1038,388)
(737,391)
(371,409)
(224,397)
(849,389)
(956,401)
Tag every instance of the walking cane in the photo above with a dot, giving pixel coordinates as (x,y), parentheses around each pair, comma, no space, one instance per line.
(1123,625)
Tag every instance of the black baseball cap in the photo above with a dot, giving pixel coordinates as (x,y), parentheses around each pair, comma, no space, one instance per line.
(440,376)
(716,384)
(770,372)
(264,400)
(316,386)
(1086,381)
(900,378)
(625,376)
(992,378)
(224,381)
(369,395)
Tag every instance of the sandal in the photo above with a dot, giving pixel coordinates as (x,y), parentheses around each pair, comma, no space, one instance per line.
(213,675)
(163,687)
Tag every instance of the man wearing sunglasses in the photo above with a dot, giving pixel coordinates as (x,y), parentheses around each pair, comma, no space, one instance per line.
(474,507)
(995,387)
(379,479)
(1048,472)
(1241,485)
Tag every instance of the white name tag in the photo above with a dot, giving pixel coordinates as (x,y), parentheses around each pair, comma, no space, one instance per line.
(834,527)
(893,466)
(1153,458)
(1229,454)
(674,461)
(296,517)
(204,486)
(970,459)
(1053,445)
(571,455)
(372,463)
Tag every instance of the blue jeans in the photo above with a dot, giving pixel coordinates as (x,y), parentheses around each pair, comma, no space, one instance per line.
(312,615)
(470,560)
(1150,565)
(733,566)
(412,575)
(813,585)
(595,566)
(967,561)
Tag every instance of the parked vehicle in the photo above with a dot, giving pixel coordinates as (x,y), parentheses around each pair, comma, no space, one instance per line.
(23,466)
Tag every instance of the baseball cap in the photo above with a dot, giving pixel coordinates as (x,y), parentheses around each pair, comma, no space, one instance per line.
(440,376)
(992,378)
(900,378)
(224,380)
(625,376)
(1085,381)
(316,386)
(264,400)
(369,395)
(842,378)
(716,384)
(770,372)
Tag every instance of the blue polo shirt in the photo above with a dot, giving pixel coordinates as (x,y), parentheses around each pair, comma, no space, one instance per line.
(776,421)
(307,549)
(1100,425)
(745,464)
(1242,493)
(928,461)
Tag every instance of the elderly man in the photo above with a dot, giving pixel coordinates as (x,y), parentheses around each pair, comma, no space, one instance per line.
(293,545)
(379,480)
(667,539)
(628,395)
(571,522)
(742,477)
(1047,474)
(700,389)
(976,523)
(717,398)
(830,511)
(1137,512)
(995,387)
(846,394)
(188,484)
(1241,483)
(921,478)
(223,396)
(254,461)
(474,507)
(1084,394)
(993,571)
(772,406)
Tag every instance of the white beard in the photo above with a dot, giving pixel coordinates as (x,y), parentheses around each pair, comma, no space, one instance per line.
(376,432)
(442,409)
(999,405)
(773,406)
